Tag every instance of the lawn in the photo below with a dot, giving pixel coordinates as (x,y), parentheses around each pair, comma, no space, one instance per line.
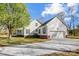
(19,41)
(62,54)
(73,37)
(72,53)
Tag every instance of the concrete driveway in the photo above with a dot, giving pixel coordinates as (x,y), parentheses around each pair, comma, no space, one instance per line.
(56,45)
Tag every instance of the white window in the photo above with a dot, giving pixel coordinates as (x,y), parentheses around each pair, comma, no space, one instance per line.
(39,31)
(36,24)
(27,31)
(19,31)
(36,30)
(44,30)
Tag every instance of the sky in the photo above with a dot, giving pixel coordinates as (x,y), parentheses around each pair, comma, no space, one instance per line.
(46,11)
(35,10)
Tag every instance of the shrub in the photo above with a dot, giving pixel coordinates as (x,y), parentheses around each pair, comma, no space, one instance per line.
(36,36)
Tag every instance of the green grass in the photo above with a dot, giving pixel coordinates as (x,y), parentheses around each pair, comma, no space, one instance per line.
(62,54)
(19,41)
(73,37)
(73,53)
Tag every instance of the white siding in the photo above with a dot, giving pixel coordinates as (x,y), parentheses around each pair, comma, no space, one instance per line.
(56,25)
(19,32)
(32,27)
(41,29)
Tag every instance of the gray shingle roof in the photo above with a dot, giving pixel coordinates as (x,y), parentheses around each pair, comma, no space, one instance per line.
(60,18)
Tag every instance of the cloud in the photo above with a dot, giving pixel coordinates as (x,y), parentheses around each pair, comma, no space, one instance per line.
(71,4)
(73,11)
(51,9)
(67,18)
(73,7)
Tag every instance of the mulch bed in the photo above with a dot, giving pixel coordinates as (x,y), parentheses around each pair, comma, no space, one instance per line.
(2,45)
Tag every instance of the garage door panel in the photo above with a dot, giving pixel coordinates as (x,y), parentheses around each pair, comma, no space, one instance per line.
(56,35)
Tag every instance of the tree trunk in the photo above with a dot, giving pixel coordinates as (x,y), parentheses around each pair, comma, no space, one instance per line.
(9,36)
(73,27)
(9,32)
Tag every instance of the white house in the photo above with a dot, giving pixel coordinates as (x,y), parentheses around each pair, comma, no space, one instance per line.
(30,29)
(53,28)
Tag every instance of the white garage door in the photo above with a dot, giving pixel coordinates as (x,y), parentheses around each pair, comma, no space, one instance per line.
(57,35)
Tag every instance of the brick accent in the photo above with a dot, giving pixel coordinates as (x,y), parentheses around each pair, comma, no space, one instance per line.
(43,36)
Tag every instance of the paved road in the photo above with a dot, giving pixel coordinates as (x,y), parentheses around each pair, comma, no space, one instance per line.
(56,45)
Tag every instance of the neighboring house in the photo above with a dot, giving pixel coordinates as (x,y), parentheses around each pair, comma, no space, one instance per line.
(53,28)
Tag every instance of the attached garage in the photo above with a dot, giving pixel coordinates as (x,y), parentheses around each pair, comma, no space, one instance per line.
(57,34)
(57,29)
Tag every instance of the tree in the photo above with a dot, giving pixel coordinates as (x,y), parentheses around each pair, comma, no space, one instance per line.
(72,22)
(13,16)
(77,26)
